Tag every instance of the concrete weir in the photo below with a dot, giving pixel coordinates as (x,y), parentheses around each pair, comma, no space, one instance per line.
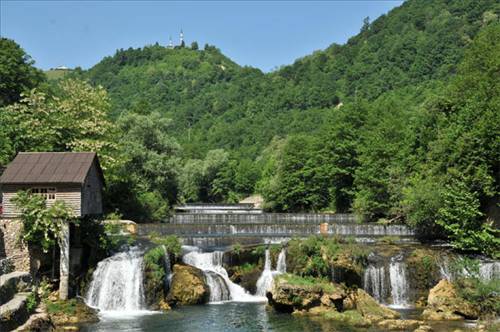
(217,227)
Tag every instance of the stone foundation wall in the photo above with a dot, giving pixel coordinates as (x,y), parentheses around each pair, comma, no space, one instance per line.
(10,246)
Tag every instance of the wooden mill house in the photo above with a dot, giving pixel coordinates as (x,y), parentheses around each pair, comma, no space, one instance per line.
(75,178)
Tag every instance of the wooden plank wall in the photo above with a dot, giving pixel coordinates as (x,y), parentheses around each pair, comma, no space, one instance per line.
(71,194)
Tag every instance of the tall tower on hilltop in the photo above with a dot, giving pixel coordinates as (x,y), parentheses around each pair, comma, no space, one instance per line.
(181,39)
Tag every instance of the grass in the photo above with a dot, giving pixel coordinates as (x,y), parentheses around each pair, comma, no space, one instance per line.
(66,307)
(246,268)
(318,283)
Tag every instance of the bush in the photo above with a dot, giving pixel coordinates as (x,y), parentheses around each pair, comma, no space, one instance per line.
(154,275)
(483,293)
(31,302)
(171,243)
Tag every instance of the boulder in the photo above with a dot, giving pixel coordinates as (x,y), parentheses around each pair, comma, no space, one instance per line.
(188,286)
(287,296)
(70,312)
(346,269)
(350,317)
(370,308)
(12,283)
(423,328)
(443,303)
(247,279)
(398,324)
(14,312)
(39,321)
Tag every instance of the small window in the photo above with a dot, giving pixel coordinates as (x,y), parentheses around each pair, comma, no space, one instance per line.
(51,194)
(47,193)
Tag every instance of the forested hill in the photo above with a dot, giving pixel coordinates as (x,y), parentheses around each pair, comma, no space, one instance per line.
(214,103)
(399,124)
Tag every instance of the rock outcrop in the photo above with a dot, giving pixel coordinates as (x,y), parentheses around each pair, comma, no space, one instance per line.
(443,303)
(333,301)
(370,308)
(15,290)
(12,283)
(69,312)
(288,297)
(188,286)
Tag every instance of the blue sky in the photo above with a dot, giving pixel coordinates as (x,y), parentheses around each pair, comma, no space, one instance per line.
(256,33)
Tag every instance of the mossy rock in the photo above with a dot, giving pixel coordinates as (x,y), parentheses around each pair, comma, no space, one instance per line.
(370,308)
(291,293)
(348,265)
(70,312)
(188,286)
(350,317)
(246,278)
(423,270)
(444,303)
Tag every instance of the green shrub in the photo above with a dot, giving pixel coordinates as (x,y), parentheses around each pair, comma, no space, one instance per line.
(237,249)
(483,293)
(31,301)
(67,307)
(154,275)
(310,282)
(171,243)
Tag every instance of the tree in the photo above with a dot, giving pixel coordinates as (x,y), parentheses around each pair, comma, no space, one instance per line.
(298,181)
(17,72)
(144,184)
(42,224)
(75,119)
(194,46)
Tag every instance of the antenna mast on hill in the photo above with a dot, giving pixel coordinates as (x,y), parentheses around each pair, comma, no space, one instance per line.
(181,38)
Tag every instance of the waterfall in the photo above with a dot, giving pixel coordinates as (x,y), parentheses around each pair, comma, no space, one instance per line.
(281,264)
(167,267)
(375,283)
(399,284)
(489,270)
(265,281)
(219,291)
(117,283)
(221,287)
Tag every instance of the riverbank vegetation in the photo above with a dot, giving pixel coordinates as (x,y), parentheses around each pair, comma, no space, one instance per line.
(400,123)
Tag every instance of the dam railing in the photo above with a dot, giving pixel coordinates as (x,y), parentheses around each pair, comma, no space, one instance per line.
(261,218)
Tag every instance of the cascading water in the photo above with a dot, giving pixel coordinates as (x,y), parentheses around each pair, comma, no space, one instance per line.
(399,284)
(489,270)
(265,281)
(375,282)
(167,268)
(281,264)
(387,280)
(117,283)
(221,287)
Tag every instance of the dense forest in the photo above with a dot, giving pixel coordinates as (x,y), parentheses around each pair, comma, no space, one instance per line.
(400,124)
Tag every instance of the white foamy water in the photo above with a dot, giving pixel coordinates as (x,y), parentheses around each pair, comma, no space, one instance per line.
(217,278)
(265,282)
(399,285)
(117,284)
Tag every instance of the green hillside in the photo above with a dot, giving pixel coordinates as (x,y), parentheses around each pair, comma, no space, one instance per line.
(214,103)
(400,124)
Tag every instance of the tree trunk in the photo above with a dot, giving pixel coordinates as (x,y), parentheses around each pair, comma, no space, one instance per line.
(64,262)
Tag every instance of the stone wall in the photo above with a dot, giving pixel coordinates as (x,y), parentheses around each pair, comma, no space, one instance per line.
(10,246)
